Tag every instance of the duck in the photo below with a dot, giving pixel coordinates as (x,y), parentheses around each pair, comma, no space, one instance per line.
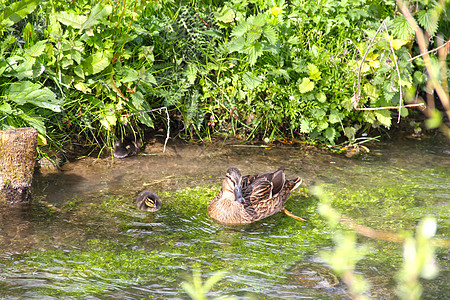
(250,198)
(148,201)
(126,148)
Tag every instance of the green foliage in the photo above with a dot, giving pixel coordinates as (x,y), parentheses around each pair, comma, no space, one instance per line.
(252,69)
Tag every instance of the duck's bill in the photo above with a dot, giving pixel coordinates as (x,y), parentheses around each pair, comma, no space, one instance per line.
(238,195)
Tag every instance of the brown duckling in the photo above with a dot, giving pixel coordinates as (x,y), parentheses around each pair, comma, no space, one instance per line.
(247,199)
(148,201)
(125,148)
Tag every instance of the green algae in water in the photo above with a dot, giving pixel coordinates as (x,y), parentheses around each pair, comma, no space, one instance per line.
(162,247)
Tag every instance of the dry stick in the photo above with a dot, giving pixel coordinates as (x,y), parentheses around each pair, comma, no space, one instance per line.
(426,58)
(152,110)
(358,92)
(398,72)
(431,51)
(384,235)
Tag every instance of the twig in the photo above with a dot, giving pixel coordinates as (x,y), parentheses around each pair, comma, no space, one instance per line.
(431,51)
(159,110)
(384,235)
(433,78)
(357,96)
(390,107)
(398,72)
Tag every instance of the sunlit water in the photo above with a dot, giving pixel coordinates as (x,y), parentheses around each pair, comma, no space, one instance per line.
(83,238)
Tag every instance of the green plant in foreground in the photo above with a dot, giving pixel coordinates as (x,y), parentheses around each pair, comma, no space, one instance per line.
(418,255)
(198,290)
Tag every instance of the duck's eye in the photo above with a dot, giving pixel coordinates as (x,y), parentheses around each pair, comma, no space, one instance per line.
(149,202)
(231,178)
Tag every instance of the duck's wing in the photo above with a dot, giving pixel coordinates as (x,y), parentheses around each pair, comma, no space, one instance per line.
(247,180)
(259,190)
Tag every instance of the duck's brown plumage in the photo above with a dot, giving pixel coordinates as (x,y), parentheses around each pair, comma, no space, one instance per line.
(262,196)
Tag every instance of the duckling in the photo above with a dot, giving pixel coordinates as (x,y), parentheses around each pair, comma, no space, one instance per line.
(125,148)
(148,201)
(247,199)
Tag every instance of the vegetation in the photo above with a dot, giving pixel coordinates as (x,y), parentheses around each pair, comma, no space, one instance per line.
(91,72)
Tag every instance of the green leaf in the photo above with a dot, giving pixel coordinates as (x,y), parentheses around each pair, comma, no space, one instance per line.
(435,120)
(252,36)
(191,73)
(70,19)
(313,72)
(428,19)
(350,132)
(251,80)
(237,44)
(255,51)
(99,12)
(330,134)
(401,28)
(306,126)
(6,108)
(259,20)
(225,14)
(97,62)
(17,11)
(139,103)
(335,116)
(37,49)
(108,116)
(321,97)
(420,77)
(270,33)
(240,29)
(384,117)
(317,113)
(27,92)
(306,85)
(371,91)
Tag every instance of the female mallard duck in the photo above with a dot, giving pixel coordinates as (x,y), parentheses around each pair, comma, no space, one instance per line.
(250,198)
(148,201)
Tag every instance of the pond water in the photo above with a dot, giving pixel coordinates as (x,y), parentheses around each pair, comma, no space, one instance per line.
(83,238)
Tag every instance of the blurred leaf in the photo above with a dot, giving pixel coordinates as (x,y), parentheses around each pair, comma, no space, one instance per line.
(306,85)
(384,117)
(435,120)
(251,80)
(225,14)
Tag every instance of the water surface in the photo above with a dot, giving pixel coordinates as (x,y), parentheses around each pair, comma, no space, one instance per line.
(83,238)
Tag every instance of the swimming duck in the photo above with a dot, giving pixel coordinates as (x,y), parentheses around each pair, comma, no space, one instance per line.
(247,199)
(148,201)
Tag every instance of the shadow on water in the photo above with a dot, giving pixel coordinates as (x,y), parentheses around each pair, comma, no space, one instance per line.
(83,237)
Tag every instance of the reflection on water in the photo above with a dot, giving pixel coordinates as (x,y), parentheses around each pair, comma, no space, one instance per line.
(83,237)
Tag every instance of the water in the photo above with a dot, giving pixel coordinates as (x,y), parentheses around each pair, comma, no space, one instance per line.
(82,238)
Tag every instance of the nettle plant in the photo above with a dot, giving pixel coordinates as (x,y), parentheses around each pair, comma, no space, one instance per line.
(287,79)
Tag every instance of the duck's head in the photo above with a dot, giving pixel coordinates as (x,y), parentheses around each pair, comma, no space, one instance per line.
(232,185)
(148,201)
